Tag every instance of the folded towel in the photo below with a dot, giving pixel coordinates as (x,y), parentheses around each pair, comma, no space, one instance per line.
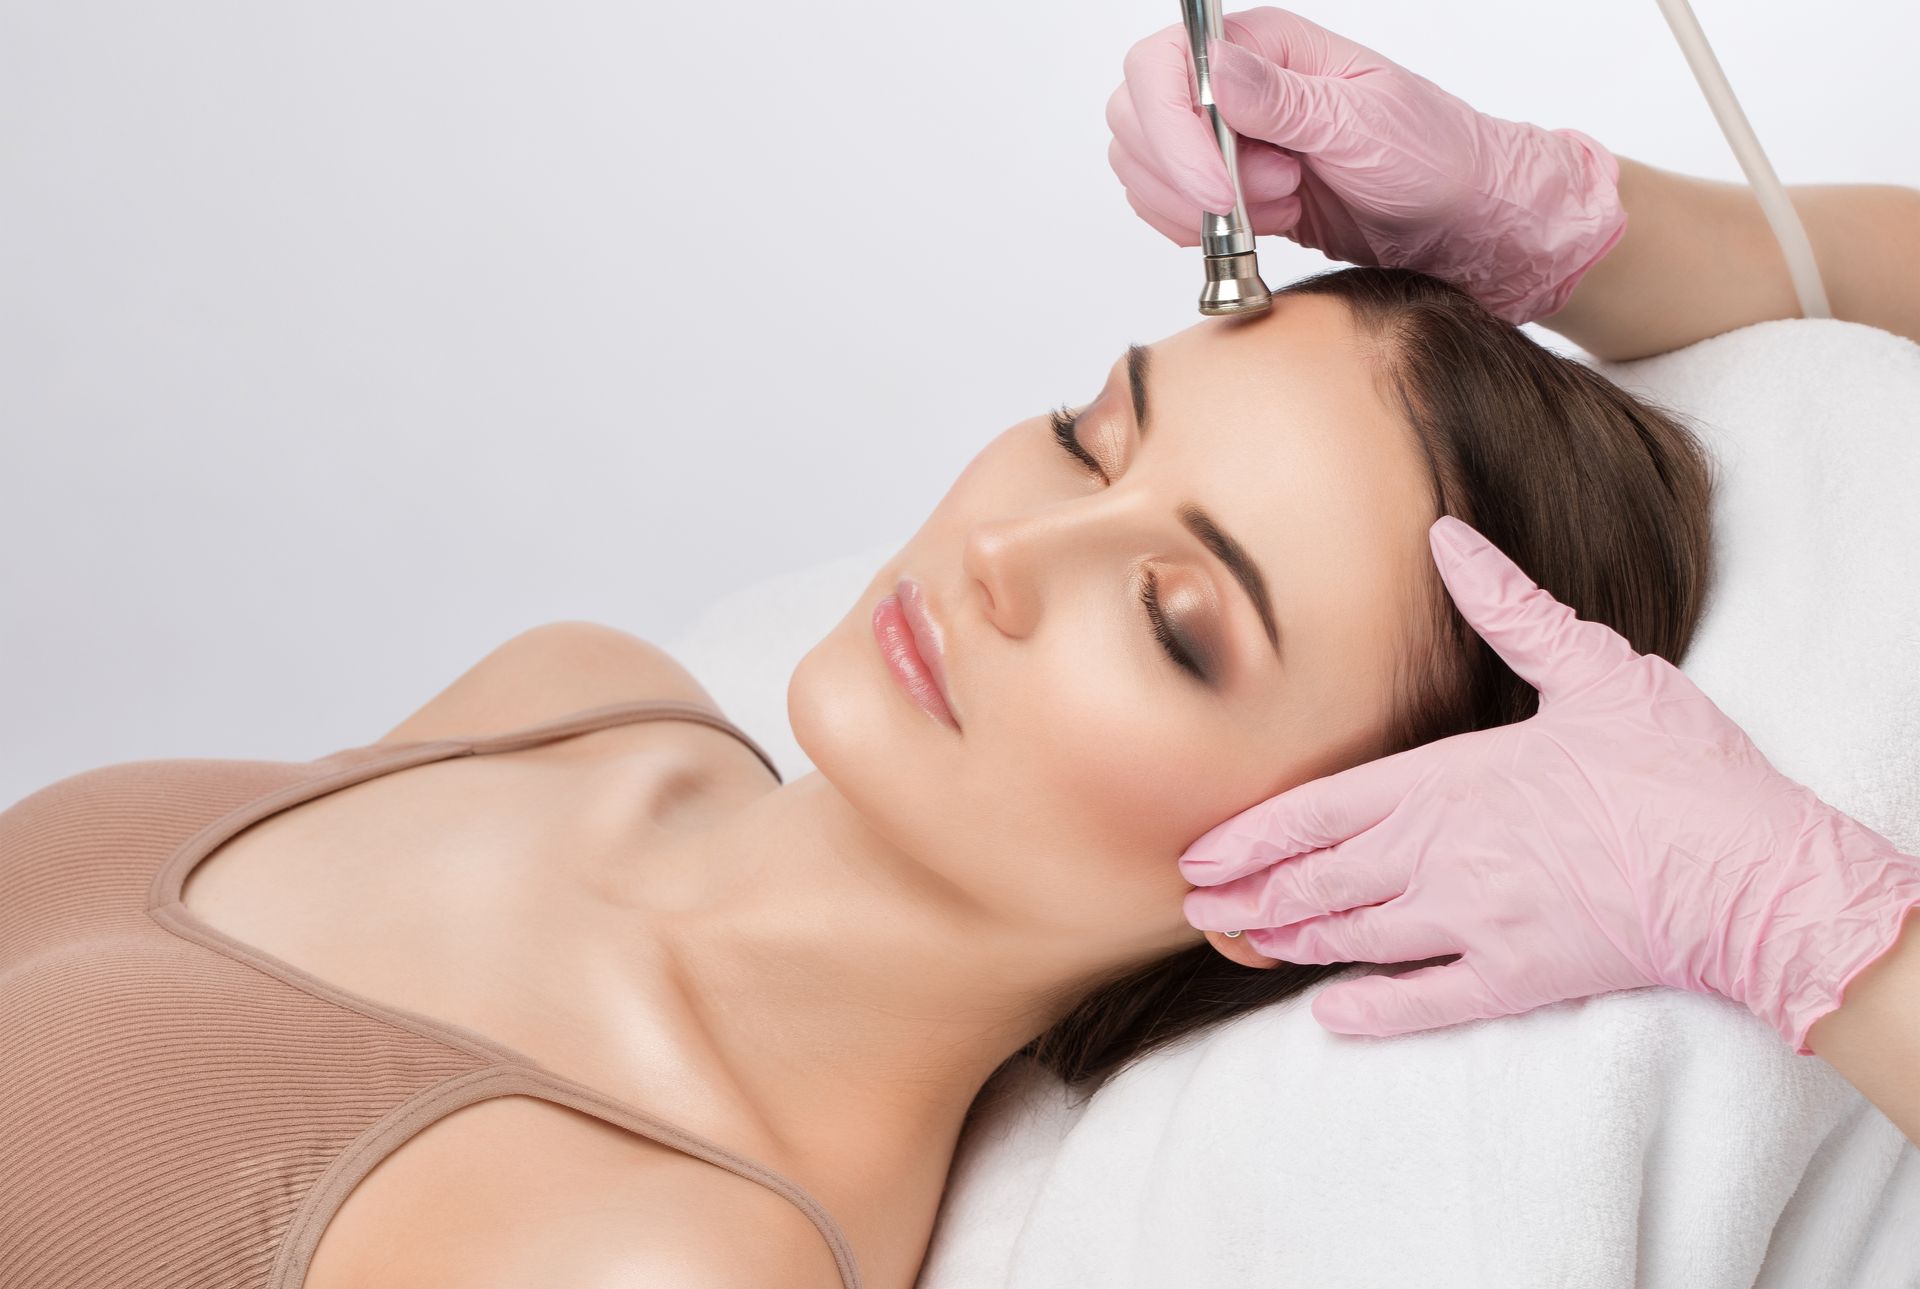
(1650,1137)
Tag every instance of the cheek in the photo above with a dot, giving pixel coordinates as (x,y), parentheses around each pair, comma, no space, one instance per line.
(1112,768)
(1071,801)
(1119,775)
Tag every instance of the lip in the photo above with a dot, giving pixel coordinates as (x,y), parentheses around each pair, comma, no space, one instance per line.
(928,638)
(910,639)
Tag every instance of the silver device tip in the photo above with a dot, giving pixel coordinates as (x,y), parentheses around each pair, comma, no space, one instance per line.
(1233,286)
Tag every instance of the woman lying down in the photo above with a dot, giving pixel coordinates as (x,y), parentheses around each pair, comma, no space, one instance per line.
(558,983)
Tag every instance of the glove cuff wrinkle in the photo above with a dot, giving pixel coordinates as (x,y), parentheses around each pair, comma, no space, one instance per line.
(1575,229)
(1869,934)
(1838,901)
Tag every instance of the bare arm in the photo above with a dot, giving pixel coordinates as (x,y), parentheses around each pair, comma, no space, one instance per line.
(1873,1037)
(1699,258)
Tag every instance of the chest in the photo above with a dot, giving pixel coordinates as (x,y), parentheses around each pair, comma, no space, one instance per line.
(456,890)
(453,888)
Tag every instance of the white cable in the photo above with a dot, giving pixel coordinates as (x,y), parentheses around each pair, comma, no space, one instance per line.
(1774,202)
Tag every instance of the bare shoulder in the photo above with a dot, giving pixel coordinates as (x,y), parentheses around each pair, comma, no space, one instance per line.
(719,1232)
(708,1230)
(546,672)
(580,1206)
(560,668)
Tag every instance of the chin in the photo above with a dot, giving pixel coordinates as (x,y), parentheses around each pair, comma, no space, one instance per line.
(863,736)
(842,715)
(814,714)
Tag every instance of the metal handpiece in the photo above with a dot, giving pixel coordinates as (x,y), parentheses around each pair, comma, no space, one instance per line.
(1233,271)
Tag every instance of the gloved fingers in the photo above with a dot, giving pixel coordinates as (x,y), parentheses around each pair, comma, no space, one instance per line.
(1178,232)
(1352,874)
(1176,218)
(1309,816)
(1125,127)
(1179,219)
(1267,173)
(1170,210)
(1284,37)
(1123,124)
(1159,84)
(1381,1006)
(1387,932)
(1275,218)
(1545,642)
(1289,109)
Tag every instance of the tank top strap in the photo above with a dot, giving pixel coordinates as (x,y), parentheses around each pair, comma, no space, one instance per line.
(606,715)
(502,1069)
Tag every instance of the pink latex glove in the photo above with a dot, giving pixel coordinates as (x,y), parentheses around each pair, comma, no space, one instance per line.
(1355,156)
(1627,834)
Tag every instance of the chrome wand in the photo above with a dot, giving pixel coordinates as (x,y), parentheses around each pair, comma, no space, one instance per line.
(1233,271)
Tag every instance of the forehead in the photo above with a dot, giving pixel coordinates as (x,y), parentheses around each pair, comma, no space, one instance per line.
(1280,425)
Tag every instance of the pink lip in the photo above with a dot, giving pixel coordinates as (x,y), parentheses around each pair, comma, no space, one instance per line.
(909,638)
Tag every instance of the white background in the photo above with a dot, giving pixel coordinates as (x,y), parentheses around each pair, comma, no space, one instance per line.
(340,342)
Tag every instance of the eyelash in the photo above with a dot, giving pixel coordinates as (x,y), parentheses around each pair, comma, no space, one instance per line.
(1065,421)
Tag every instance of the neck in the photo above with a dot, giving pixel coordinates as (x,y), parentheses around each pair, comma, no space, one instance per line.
(860,1000)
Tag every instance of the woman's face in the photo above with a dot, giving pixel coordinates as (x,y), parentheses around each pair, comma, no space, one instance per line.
(1087,757)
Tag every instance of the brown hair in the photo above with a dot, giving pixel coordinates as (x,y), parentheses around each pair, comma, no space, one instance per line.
(1603,498)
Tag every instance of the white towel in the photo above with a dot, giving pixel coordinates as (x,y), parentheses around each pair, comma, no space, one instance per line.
(1650,1138)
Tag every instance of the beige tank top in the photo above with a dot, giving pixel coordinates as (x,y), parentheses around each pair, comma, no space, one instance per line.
(178,1109)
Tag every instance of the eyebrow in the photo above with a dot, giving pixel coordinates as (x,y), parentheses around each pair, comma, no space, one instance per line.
(1202,524)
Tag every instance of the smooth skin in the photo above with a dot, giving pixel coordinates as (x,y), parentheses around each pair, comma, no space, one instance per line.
(823,974)
(1699,258)
(853,952)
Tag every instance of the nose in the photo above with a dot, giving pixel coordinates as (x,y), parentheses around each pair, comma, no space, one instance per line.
(1018,560)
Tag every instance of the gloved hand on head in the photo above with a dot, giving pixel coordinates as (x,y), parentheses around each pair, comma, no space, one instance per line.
(1353,155)
(1627,834)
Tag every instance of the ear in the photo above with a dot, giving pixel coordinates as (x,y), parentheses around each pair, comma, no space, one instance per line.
(1239,950)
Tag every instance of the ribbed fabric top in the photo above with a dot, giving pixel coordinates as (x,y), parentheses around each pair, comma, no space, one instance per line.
(177,1109)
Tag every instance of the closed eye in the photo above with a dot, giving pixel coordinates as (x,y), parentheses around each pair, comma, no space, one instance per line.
(1065,421)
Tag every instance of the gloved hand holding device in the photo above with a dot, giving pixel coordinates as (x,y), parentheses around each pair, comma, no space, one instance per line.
(1627,834)
(1355,156)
